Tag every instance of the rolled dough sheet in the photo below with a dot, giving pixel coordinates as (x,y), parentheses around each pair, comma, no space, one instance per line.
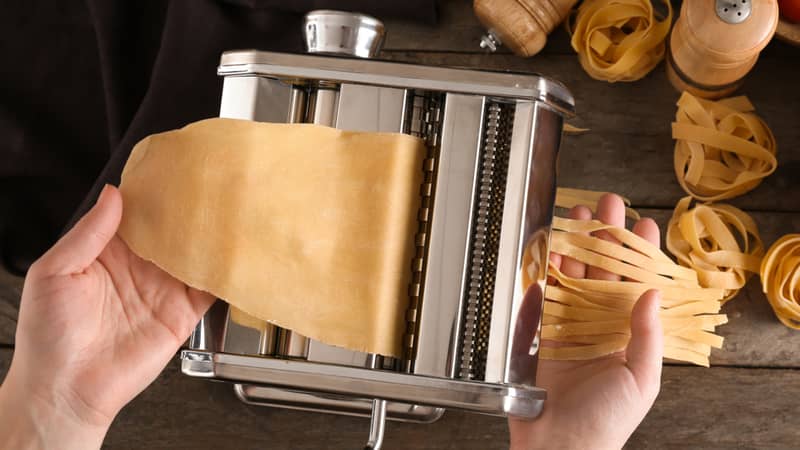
(307,227)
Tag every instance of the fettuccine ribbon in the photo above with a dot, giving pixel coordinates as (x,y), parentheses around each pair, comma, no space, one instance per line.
(591,318)
(571,197)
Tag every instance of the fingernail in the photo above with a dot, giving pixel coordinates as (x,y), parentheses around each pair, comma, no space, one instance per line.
(103,193)
(657,295)
(657,308)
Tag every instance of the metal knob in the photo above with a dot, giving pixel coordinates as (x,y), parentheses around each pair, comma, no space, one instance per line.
(490,41)
(733,11)
(343,33)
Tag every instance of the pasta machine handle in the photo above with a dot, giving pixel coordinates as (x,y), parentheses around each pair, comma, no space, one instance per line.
(377,425)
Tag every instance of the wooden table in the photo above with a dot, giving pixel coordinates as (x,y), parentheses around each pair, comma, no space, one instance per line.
(747,399)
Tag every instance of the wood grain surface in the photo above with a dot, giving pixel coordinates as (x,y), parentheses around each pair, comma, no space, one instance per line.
(718,408)
(788,32)
(746,401)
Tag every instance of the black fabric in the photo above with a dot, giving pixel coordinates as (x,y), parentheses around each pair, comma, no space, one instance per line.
(80,84)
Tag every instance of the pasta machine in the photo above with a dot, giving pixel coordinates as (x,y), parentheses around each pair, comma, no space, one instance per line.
(476,296)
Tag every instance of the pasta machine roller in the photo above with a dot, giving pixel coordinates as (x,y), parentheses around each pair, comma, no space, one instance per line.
(476,295)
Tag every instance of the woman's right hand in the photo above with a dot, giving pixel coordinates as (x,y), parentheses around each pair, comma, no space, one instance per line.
(597,404)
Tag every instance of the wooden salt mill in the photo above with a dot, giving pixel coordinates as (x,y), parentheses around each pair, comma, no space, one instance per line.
(715,43)
(520,25)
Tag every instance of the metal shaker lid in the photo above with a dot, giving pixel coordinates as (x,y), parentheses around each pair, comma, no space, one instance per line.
(734,29)
(342,33)
(734,11)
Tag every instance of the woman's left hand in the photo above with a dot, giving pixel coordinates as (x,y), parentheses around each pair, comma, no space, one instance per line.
(97,324)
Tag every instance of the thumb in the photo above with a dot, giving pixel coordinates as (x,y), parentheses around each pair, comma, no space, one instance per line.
(78,249)
(646,346)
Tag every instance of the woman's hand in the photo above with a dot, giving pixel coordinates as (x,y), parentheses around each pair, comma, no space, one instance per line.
(97,324)
(597,404)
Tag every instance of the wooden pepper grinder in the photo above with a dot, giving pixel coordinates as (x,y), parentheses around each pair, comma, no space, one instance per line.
(520,25)
(715,43)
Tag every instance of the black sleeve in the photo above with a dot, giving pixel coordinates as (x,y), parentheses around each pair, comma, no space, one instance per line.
(87,81)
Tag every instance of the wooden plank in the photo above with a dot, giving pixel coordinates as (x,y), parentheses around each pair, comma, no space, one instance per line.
(457,30)
(722,408)
(629,148)
(718,408)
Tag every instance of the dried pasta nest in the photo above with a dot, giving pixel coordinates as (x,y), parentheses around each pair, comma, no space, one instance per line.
(720,242)
(722,148)
(780,279)
(619,40)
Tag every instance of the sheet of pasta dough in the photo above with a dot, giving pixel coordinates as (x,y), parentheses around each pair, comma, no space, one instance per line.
(307,227)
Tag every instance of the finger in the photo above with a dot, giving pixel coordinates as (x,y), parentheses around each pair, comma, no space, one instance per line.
(610,210)
(646,346)
(200,300)
(555,260)
(81,246)
(570,266)
(647,228)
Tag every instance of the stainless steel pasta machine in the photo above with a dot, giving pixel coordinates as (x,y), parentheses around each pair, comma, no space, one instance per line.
(476,296)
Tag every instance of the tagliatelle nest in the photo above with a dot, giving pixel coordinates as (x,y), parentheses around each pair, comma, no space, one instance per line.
(619,40)
(722,148)
(720,242)
(780,279)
